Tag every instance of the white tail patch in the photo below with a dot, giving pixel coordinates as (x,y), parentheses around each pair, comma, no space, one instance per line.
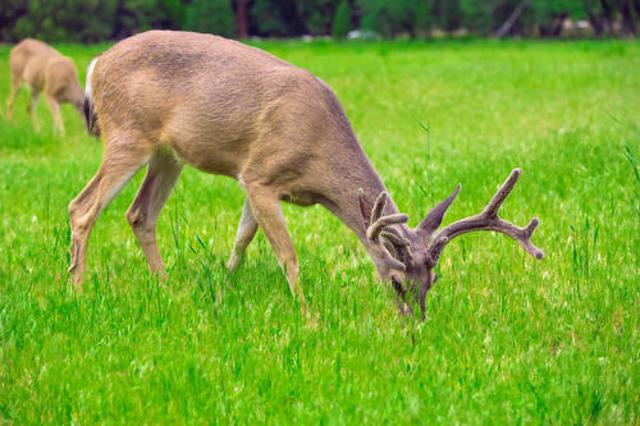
(87,88)
(89,112)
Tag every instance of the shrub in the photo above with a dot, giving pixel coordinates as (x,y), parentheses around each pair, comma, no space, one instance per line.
(342,20)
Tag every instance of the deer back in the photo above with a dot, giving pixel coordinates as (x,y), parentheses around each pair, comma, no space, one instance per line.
(225,108)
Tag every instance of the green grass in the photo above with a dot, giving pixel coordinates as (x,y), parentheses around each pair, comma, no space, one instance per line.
(507,339)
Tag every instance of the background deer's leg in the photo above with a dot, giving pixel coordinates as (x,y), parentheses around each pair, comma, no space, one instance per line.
(266,209)
(161,178)
(31,108)
(15,85)
(122,160)
(246,231)
(54,106)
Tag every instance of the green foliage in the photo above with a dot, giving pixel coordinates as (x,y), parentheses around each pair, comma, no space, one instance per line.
(342,20)
(88,21)
(94,20)
(549,14)
(545,9)
(133,16)
(279,18)
(10,12)
(318,15)
(59,20)
(391,18)
(424,17)
(479,15)
(210,16)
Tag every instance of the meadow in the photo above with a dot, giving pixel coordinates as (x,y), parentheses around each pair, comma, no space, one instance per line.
(507,339)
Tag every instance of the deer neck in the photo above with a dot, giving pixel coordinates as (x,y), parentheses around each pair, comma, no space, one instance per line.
(352,172)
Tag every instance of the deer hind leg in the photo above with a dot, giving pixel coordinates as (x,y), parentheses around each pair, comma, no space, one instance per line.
(15,85)
(31,107)
(120,163)
(266,209)
(54,106)
(162,176)
(246,231)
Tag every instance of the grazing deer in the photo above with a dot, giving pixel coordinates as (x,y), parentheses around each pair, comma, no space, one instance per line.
(44,69)
(167,98)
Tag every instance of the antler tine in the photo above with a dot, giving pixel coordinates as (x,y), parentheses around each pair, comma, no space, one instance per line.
(435,216)
(392,261)
(496,201)
(378,206)
(379,225)
(488,220)
(395,238)
(526,243)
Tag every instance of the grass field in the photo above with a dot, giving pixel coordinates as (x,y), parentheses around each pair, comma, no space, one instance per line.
(507,339)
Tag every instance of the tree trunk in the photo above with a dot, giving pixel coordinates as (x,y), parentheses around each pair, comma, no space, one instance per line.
(556,31)
(608,16)
(511,20)
(242,19)
(596,23)
(628,24)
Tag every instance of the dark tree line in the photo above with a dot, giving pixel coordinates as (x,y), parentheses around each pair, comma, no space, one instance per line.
(97,20)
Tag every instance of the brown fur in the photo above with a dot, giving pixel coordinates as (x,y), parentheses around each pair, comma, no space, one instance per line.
(167,98)
(45,70)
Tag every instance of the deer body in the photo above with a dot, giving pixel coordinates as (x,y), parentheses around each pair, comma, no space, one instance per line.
(44,69)
(167,98)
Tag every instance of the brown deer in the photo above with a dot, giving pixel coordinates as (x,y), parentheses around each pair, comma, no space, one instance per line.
(44,69)
(167,98)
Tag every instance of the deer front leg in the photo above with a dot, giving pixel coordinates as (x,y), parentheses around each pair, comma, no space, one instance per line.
(266,209)
(31,108)
(246,231)
(54,106)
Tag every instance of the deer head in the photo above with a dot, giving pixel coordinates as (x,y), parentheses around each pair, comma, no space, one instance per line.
(408,256)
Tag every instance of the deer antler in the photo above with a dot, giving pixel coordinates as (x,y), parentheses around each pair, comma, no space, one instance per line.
(379,230)
(487,220)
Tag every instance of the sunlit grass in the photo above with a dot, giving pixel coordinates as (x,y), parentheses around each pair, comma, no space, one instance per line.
(507,339)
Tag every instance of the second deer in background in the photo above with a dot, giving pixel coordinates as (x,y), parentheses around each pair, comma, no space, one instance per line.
(44,69)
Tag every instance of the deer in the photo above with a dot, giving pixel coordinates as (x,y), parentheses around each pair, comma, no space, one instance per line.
(44,69)
(168,99)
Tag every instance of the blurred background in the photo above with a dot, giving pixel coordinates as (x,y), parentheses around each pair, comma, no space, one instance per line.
(101,20)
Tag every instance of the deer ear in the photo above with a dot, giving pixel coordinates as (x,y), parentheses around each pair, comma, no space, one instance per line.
(365,208)
(435,216)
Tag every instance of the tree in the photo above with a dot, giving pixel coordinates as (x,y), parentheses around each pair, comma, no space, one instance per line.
(210,16)
(399,16)
(512,18)
(57,20)
(477,16)
(10,13)
(318,15)
(628,16)
(277,18)
(449,14)
(551,14)
(242,19)
(342,20)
